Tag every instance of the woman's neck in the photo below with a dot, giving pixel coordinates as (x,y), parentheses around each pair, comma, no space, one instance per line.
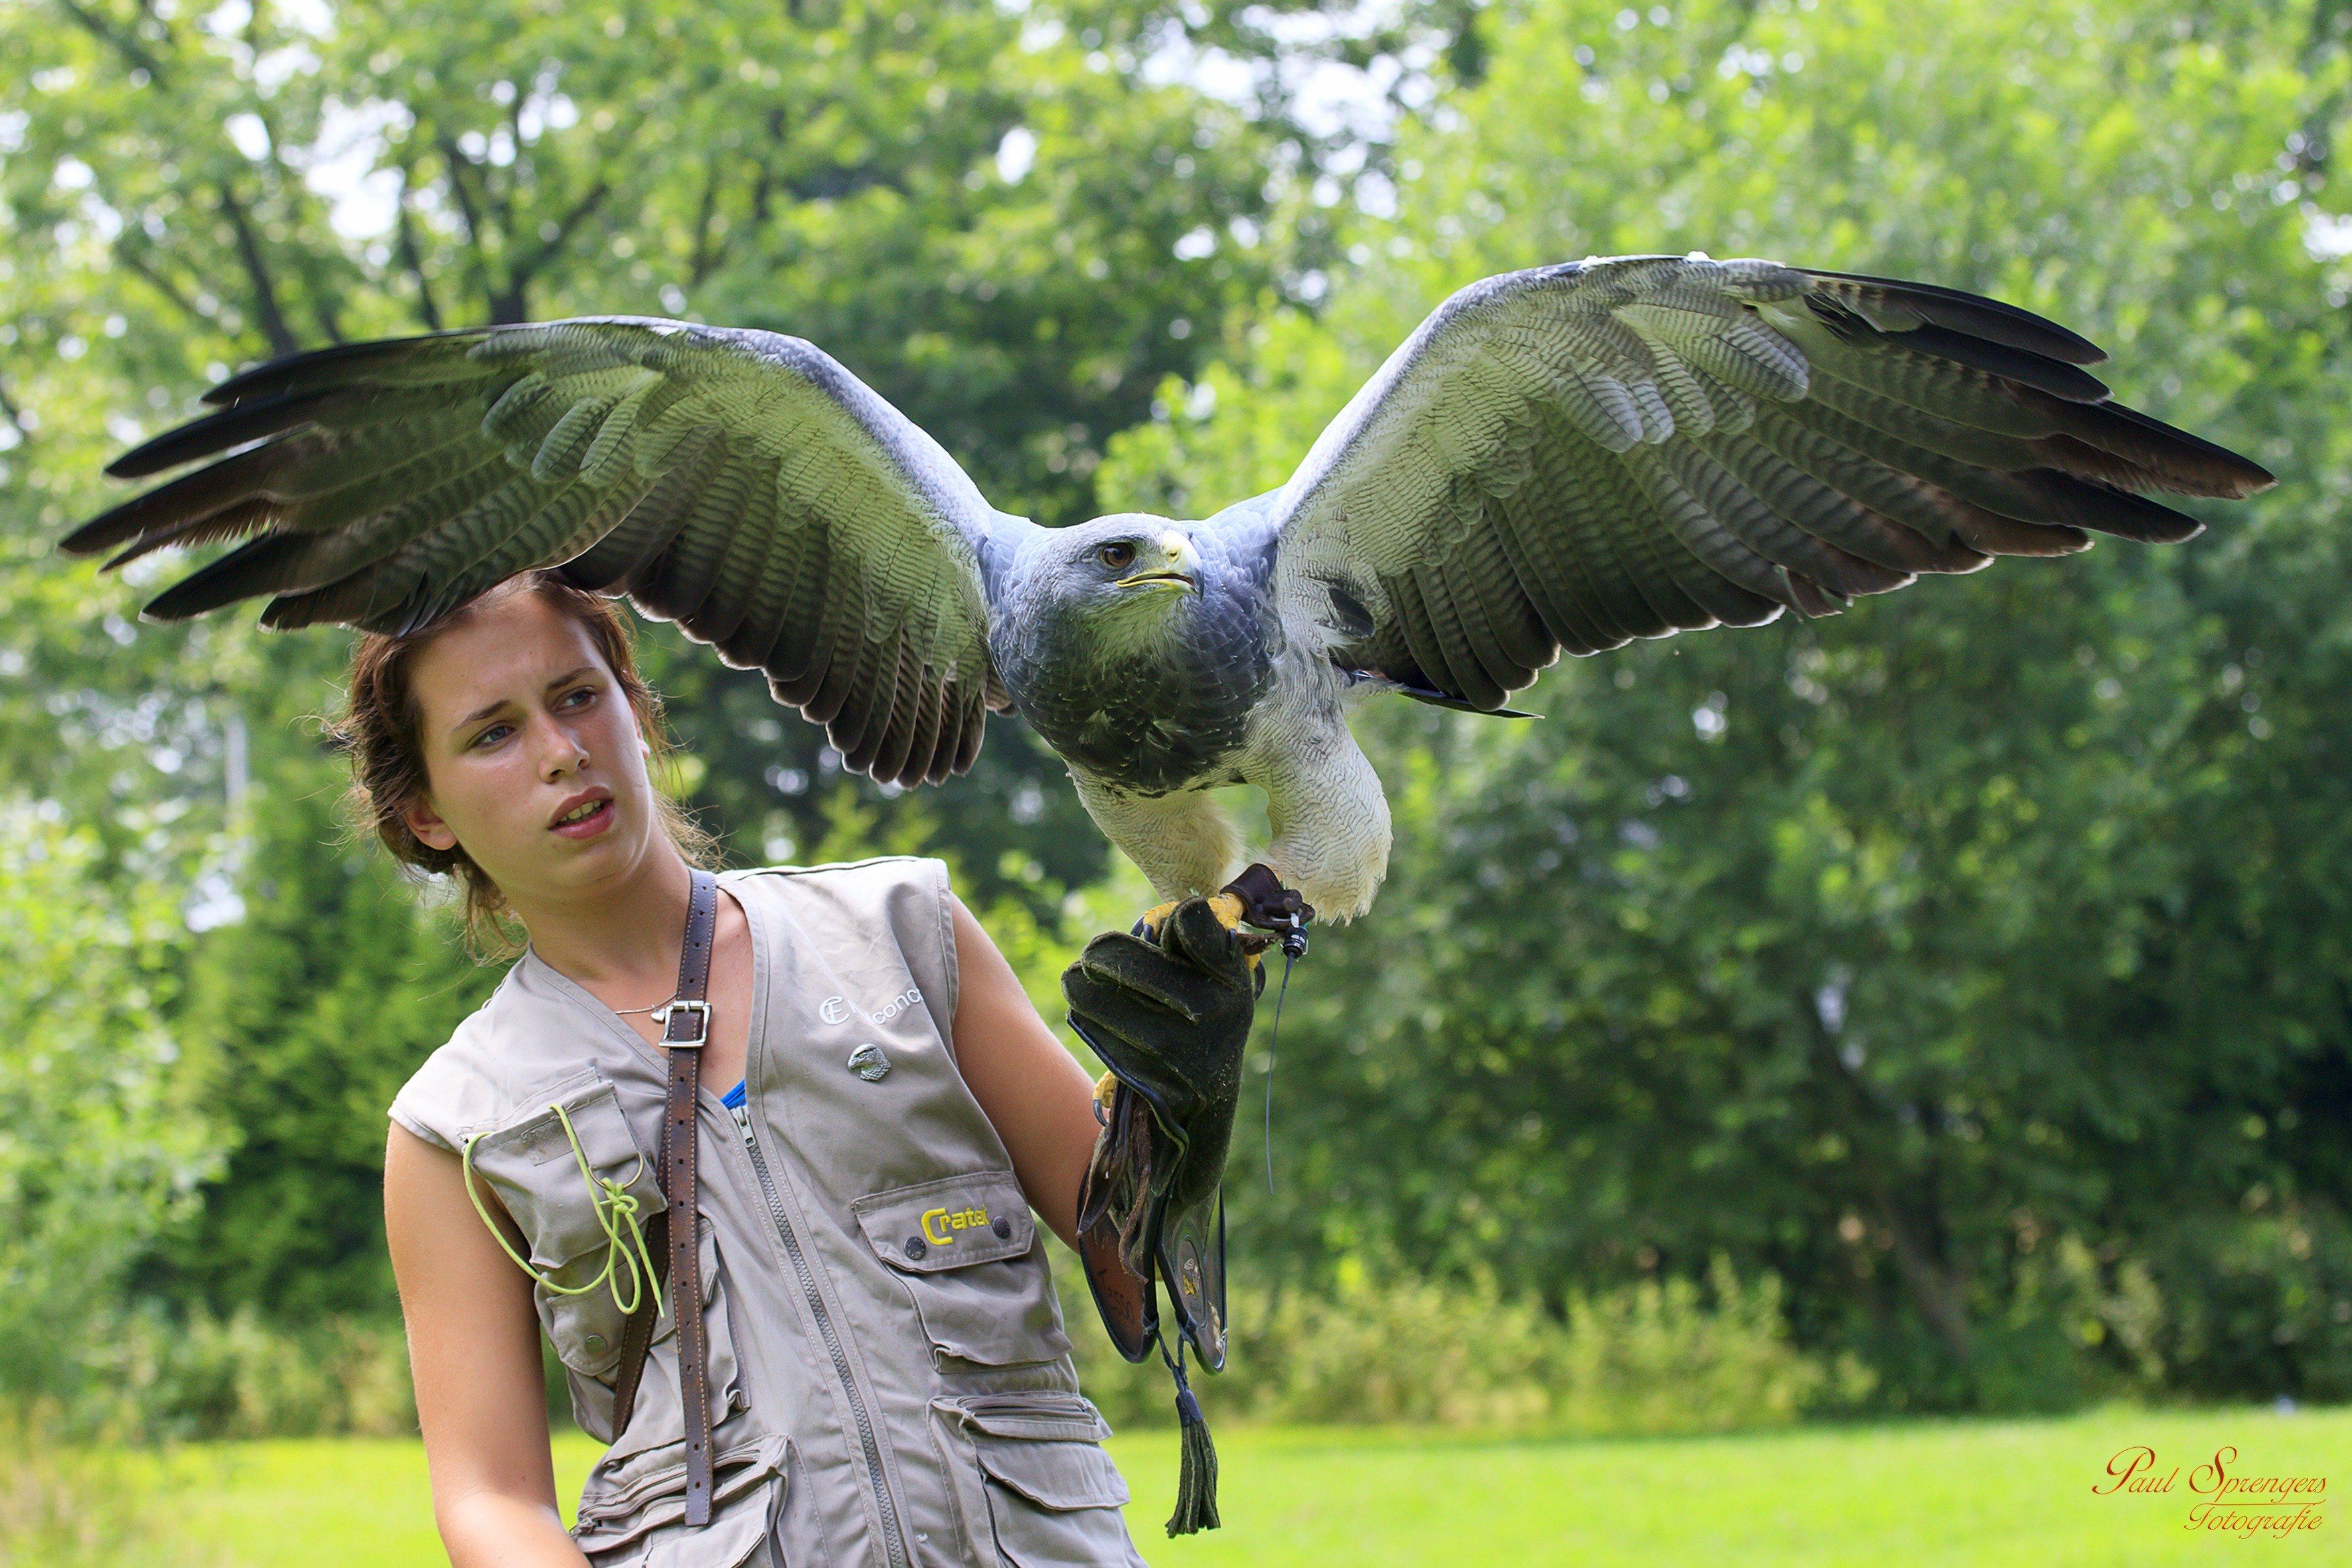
(621,939)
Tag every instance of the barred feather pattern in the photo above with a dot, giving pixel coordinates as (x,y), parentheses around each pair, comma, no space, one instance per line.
(1571,457)
(742,484)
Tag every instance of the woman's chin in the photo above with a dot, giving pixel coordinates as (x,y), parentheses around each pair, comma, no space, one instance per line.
(569,864)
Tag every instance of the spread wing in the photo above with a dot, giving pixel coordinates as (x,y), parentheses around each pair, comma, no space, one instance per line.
(1576,455)
(740,483)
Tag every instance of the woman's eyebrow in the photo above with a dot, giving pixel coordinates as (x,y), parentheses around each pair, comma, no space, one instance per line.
(566,679)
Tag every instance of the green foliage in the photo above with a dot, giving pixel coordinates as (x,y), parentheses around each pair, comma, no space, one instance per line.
(202,1376)
(1879,953)
(1386,1346)
(318,1002)
(103,1147)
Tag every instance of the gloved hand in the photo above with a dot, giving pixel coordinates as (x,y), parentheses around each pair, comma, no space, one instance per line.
(1169,1015)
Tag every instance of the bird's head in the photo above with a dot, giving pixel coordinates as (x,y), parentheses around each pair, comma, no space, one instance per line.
(1123,578)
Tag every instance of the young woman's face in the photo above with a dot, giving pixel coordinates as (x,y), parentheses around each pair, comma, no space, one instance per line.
(532,754)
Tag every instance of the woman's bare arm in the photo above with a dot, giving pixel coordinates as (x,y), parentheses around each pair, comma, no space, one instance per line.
(1032,1090)
(473,1348)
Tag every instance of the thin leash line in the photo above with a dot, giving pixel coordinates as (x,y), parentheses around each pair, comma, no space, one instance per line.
(1272,1055)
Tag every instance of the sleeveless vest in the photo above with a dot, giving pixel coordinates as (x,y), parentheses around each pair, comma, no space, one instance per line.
(890,1382)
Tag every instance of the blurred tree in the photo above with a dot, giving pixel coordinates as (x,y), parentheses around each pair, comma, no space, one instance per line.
(319,998)
(1976,959)
(103,1147)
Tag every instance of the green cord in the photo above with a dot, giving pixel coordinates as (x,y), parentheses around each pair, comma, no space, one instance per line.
(615,1210)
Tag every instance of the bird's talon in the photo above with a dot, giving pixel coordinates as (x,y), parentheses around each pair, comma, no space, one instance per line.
(1148,925)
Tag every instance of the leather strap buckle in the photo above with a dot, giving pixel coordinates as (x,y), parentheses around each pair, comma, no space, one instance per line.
(701,1012)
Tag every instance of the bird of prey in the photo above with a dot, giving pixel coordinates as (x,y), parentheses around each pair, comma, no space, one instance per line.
(1566,458)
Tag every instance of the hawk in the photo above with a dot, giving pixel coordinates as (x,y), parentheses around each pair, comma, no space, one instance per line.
(1561,458)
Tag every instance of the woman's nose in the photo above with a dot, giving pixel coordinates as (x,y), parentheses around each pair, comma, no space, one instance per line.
(560,751)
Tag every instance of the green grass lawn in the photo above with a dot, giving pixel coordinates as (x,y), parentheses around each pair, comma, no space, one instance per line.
(1920,1494)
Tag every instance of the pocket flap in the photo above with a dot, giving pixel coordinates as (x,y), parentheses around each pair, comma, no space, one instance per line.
(530,1164)
(1037,1413)
(1058,1475)
(948,1223)
(610,1518)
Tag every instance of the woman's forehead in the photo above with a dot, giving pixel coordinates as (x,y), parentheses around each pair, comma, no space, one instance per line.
(506,649)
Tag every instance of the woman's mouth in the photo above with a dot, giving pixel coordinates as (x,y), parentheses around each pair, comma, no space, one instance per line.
(586,820)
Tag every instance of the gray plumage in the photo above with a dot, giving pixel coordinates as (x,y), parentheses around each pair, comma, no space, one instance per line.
(1561,458)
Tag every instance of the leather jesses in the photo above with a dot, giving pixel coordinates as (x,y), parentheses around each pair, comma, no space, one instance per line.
(888,1379)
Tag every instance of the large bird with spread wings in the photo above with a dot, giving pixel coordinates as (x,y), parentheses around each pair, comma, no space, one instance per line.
(1566,458)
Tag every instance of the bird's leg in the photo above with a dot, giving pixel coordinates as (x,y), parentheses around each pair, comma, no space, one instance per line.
(1255,899)
(1267,905)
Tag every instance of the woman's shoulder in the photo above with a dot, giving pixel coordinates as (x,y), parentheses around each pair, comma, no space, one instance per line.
(847,879)
(909,892)
(844,906)
(489,1065)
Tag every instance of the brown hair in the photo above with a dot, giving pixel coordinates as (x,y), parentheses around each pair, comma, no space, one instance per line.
(380,729)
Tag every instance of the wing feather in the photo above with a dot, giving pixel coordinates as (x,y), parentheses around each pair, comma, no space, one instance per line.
(740,483)
(1574,456)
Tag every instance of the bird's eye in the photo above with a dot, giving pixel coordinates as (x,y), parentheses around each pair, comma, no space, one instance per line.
(1117,557)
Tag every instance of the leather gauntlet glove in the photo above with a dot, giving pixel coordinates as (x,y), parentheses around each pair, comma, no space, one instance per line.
(1169,1015)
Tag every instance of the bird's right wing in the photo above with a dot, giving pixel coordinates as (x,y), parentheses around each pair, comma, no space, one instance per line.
(1575,456)
(740,483)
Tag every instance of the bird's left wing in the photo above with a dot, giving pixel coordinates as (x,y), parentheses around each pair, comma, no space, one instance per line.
(1575,456)
(741,483)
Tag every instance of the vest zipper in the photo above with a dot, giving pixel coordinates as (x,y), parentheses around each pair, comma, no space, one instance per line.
(894,1547)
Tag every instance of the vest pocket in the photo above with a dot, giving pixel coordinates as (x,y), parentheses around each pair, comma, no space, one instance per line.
(531,1165)
(966,1249)
(643,1525)
(1036,1484)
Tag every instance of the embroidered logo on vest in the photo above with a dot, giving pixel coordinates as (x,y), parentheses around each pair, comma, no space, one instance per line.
(940,1226)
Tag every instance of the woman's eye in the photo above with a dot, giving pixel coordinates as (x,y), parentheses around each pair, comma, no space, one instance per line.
(1117,557)
(578,698)
(492,736)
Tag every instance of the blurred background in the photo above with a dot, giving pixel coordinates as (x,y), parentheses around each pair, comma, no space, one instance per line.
(1942,1009)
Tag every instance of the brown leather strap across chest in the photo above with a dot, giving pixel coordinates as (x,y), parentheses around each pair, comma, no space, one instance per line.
(685,1030)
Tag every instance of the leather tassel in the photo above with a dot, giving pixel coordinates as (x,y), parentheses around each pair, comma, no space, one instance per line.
(1196,1474)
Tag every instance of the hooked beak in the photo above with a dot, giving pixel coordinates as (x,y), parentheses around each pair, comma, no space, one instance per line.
(1179,568)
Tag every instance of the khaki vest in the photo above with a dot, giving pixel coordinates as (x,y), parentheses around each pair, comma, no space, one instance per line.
(890,1382)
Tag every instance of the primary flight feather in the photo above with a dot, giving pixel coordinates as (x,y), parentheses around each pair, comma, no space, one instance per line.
(1566,458)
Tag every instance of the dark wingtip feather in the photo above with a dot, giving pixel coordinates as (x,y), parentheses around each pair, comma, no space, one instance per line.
(2024,366)
(2088,503)
(248,516)
(1979,317)
(280,376)
(2228,474)
(240,574)
(234,426)
(108,530)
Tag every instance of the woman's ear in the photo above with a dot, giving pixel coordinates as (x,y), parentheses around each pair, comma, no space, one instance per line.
(426,825)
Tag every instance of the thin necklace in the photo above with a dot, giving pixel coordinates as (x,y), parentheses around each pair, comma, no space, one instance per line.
(624,1012)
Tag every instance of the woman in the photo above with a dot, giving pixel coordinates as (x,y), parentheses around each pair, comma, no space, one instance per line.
(880,1110)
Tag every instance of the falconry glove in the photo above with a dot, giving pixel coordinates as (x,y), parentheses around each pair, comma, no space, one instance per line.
(1168,1010)
(1168,1013)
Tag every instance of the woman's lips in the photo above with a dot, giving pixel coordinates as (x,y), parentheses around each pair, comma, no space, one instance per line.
(588,827)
